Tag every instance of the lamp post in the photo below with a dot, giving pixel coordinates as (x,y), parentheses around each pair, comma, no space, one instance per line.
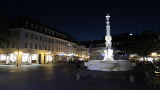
(18,46)
(18,57)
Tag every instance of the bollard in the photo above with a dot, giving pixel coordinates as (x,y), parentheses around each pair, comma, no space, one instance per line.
(131,79)
(78,76)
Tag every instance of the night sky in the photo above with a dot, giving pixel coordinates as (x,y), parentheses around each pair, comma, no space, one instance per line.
(85,19)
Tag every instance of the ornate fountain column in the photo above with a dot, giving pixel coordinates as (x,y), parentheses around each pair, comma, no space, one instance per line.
(108,50)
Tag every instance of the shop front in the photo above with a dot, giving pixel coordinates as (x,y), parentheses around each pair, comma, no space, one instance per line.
(49,58)
(28,58)
(8,58)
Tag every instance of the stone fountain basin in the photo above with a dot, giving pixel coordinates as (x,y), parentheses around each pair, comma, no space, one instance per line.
(108,65)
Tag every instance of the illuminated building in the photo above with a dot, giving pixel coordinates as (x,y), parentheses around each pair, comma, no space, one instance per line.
(126,44)
(34,42)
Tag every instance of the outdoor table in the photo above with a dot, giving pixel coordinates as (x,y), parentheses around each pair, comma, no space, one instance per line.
(156,79)
(157,73)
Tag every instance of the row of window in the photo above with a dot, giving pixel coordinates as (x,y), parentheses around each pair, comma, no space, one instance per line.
(44,29)
(61,42)
(36,46)
(103,44)
(33,36)
(7,45)
(61,50)
(37,37)
(99,45)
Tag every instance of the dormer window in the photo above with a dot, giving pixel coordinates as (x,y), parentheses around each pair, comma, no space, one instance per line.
(40,28)
(26,24)
(32,26)
(52,32)
(46,30)
(36,27)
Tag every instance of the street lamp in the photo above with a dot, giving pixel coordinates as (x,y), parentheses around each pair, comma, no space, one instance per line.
(130,34)
(18,55)
(154,54)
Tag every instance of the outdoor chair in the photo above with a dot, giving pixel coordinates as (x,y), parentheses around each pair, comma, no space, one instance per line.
(148,79)
(152,81)
(156,82)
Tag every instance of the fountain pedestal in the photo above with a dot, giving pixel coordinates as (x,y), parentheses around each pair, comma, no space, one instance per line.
(108,63)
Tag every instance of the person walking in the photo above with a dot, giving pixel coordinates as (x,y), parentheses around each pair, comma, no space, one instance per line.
(77,66)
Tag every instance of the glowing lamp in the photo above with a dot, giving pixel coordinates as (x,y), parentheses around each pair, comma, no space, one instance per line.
(20,52)
(16,52)
(82,55)
(130,34)
(154,54)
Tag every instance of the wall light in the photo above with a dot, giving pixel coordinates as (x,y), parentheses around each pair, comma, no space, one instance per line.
(154,54)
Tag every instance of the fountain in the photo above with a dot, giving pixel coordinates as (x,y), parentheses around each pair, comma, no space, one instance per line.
(108,63)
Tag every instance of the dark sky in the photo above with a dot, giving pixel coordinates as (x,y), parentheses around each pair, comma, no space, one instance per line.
(85,19)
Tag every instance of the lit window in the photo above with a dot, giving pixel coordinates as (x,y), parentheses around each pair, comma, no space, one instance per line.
(57,49)
(40,28)
(40,47)
(49,48)
(31,46)
(13,45)
(48,39)
(57,41)
(31,25)
(36,37)
(45,39)
(46,30)
(32,36)
(52,32)
(7,45)
(45,47)
(40,38)
(26,35)
(35,46)
(25,45)
(26,24)
(49,32)
(2,45)
(52,40)
(36,27)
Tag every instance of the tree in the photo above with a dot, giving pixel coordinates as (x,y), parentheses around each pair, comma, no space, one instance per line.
(5,32)
(145,43)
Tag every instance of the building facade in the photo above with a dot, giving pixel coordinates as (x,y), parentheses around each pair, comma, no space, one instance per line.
(33,42)
(126,45)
